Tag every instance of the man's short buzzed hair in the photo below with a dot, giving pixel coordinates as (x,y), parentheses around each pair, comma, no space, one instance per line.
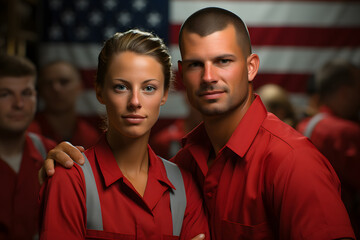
(209,20)
(15,66)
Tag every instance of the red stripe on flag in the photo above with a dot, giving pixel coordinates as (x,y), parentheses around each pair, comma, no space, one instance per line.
(303,36)
(295,83)
(295,36)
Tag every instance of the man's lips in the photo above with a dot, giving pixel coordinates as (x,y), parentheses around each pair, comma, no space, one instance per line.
(17,117)
(211,94)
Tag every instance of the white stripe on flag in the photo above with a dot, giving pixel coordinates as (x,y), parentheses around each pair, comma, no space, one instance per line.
(272,13)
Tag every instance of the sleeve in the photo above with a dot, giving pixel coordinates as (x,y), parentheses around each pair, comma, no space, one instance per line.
(63,205)
(195,221)
(305,198)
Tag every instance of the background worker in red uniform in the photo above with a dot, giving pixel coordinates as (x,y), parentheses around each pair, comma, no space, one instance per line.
(59,88)
(335,130)
(133,79)
(260,178)
(20,159)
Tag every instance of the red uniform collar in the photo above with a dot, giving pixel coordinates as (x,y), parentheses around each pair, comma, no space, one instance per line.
(243,135)
(111,172)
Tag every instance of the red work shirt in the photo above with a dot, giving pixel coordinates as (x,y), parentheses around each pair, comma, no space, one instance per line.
(19,195)
(85,134)
(125,214)
(339,140)
(267,182)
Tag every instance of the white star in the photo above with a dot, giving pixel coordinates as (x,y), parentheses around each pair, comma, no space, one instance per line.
(95,18)
(55,4)
(109,31)
(139,5)
(82,33)
(81,4)
(55,32)
(110,4)
(124,18)
(68,17)
(153,19)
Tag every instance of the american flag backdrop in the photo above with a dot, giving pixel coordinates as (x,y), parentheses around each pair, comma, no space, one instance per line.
(292,38)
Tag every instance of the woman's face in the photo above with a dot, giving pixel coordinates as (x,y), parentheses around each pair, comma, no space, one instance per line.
(133,93)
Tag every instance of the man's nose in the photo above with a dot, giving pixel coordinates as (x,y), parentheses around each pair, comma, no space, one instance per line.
(18,101)
(209,74)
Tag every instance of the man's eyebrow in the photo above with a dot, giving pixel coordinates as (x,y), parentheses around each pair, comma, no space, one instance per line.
(214,58)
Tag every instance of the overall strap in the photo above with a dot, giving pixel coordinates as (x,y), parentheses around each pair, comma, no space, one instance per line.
(93,208)
(38,144)
(177,197)
(312,123)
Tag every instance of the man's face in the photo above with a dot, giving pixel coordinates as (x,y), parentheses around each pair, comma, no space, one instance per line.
(215,72)
(17,103)
(59,86)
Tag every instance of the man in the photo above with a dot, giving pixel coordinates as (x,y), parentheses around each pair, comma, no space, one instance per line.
(260,178)
(335,130)
(21,153)
(59,87)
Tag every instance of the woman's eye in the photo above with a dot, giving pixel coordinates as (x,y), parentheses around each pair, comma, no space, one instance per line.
(150,88)
(120,87)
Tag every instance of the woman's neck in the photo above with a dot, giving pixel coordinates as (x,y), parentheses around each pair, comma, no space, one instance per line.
(131,155)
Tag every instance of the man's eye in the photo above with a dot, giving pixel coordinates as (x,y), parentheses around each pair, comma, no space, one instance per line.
(194,65)
(28,93)
(224,61)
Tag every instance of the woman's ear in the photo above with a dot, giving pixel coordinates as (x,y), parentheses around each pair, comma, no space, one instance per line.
(253,63)
(164,97)
(99,96)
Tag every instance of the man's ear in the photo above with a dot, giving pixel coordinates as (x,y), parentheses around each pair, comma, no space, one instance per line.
(99,96)
(253,63)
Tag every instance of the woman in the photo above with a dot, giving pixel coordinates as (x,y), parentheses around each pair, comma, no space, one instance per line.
(133,190)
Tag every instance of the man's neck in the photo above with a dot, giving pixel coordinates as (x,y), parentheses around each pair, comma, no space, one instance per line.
(220,128)
(11,149)
(63,124)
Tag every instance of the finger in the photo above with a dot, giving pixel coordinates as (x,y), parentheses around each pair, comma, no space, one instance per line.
(81,148)
(64,154)
(199,237)
(48,168)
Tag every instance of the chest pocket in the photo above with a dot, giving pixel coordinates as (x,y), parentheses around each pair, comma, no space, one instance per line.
(94,215)
(232,230)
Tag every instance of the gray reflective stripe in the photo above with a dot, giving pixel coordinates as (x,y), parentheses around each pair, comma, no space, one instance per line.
(38,144)
(177,197)
(93,208)
(312,123)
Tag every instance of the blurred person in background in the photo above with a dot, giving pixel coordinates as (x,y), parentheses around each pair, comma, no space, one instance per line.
(21,152)
(335,130)
(276,101)
(59,87)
